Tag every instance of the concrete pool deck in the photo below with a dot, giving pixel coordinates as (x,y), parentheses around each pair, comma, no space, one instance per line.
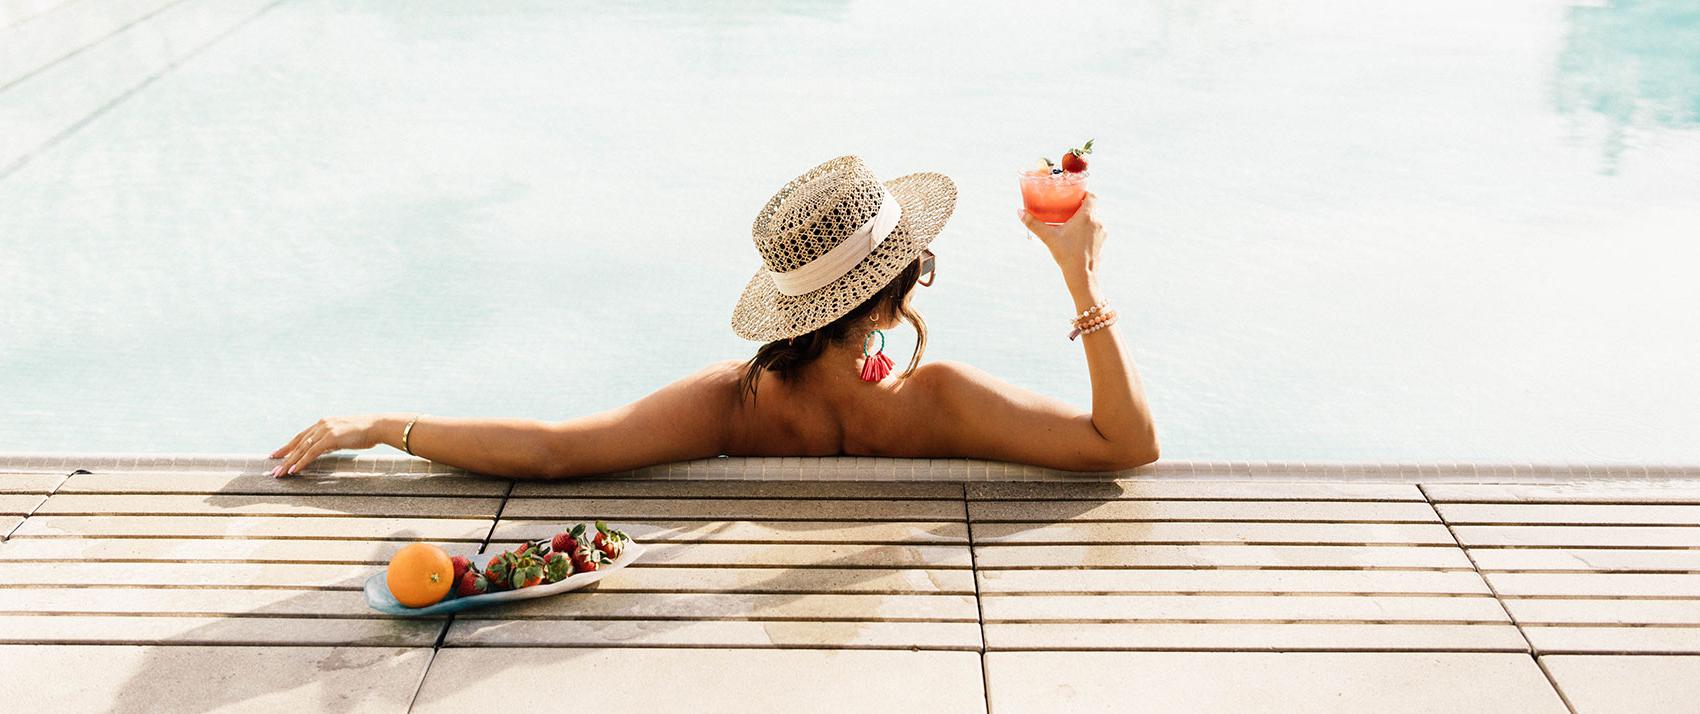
(841,584)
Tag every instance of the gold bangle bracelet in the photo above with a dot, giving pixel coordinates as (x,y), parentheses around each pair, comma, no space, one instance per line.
(407,431)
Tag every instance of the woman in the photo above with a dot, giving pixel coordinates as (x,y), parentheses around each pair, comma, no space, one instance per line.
(842,253)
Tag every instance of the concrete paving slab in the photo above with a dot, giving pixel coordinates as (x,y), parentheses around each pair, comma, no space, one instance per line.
(756,531)
(19,504)
(821,580)
(1593,611)
(1614,640)
(295,575)
(727,509)
(298,505)
(143,680)
(842,555)
(213,549)
(1570,513)
(1273,608)
(1289,556)
(184,601)
(1243,637)
(11,482)
(158,629)
(1388,683)
(712,681)
(1594,536)
(1196,533)
(237,483)
(1268,511)
(1645,684)
(814,490)
(1619,491)
(716,633)
(1235,490)
(1596,584)
(589,604)
(433,529)
(1589,559)
(1389,582)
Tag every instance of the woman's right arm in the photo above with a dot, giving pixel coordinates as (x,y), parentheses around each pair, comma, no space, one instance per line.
(1119,411)
(993,419)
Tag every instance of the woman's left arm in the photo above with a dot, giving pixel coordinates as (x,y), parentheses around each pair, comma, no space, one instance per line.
(683,420)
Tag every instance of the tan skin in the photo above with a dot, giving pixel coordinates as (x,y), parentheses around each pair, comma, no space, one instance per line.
(943,409)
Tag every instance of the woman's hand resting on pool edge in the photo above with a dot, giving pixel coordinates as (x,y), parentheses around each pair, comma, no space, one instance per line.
(1074,244)
(325,436)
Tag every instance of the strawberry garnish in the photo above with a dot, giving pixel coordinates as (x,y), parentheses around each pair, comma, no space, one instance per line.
(1075,160)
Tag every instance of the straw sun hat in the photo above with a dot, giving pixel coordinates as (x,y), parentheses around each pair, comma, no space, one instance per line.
(830,239)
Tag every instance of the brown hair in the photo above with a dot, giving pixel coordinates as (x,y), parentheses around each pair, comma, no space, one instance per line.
(786,356)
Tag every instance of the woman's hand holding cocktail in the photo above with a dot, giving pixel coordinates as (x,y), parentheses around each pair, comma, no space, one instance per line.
(1075,244)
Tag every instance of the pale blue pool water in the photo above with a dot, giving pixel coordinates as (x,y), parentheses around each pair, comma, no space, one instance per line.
(1340,230)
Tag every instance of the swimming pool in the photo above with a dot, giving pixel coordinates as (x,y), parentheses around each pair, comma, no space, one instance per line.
(1341,230)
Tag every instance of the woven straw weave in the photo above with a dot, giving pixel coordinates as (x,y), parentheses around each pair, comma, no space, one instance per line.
(813,214)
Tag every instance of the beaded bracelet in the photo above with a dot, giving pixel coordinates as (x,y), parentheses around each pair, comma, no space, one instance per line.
(1099,326)
(1101,320)
(1088,311)
(1095,319)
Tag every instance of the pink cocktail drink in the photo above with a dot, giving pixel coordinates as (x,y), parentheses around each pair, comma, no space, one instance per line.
(1052,197)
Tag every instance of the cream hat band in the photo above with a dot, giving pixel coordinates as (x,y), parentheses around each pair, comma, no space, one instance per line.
(833,264)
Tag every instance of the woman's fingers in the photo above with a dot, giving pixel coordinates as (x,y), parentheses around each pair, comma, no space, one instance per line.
(318,448)
(1038,227)
(304,443)
(1087,206)
(291,445)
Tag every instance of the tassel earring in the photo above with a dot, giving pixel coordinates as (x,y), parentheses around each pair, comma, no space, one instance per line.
(876,366)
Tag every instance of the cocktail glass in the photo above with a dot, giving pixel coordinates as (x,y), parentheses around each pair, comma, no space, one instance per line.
(1052,197)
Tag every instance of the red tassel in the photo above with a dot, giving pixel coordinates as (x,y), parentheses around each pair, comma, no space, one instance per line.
(875,367)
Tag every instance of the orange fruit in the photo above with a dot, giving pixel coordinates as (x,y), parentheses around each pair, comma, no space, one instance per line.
(420,574)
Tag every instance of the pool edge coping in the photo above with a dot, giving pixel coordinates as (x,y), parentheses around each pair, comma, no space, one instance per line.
(869,468)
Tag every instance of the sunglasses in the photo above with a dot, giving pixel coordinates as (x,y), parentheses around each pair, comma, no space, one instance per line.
(927,260)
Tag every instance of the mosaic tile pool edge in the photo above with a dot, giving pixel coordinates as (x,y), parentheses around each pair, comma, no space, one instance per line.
(860,468)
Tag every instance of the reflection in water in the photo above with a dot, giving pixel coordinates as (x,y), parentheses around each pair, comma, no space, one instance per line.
(1633,63)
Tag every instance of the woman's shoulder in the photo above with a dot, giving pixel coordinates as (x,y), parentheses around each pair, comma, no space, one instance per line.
(947,377)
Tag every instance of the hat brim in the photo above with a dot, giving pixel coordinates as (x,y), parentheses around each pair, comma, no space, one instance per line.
(765,314)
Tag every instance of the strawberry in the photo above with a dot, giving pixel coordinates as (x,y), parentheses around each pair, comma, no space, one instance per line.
(498,571)
(557,567)
(471,583)
(563,543)
(609,540)
(461,565)
(1075,160)
(516,568)
(527,571)
(588,558)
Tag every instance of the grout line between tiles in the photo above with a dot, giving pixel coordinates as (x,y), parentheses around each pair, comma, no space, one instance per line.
(1533,653)
(448,622)
(38,505)
(979,608)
